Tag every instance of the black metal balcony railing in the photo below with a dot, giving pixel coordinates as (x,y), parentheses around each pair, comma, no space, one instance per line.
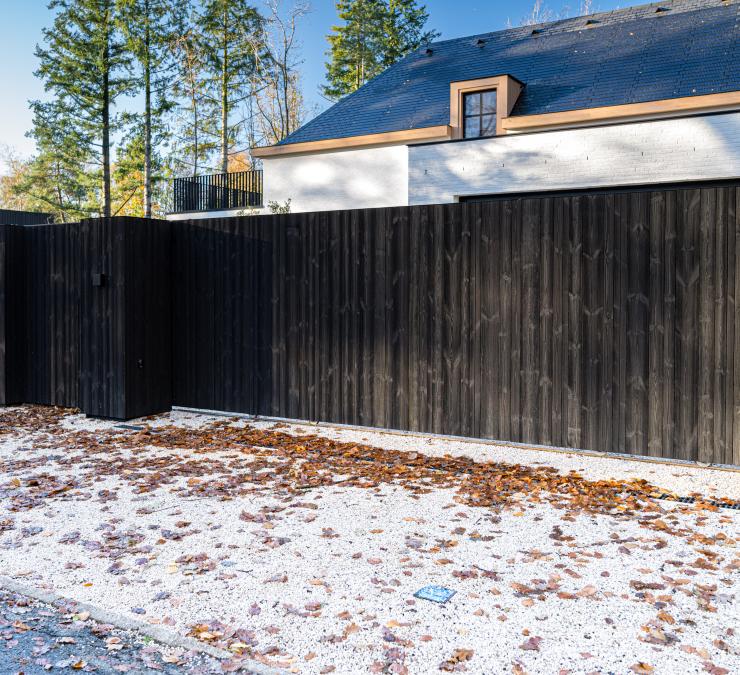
(240,190)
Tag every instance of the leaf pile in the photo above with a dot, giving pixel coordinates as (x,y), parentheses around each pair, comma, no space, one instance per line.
(279,461)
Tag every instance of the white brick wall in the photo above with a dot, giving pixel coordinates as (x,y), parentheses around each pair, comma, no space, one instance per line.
(348,179)
(688,149)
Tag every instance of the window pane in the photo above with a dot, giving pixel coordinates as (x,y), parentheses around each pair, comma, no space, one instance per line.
(488,125)
(472,127)
(489,102)
(472,104)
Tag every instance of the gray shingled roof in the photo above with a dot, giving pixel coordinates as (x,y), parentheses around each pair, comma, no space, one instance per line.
(629,55)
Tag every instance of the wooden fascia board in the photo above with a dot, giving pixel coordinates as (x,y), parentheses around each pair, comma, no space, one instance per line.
(440,133)
(707,102)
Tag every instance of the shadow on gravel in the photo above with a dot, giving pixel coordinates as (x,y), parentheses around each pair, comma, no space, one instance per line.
(37,638)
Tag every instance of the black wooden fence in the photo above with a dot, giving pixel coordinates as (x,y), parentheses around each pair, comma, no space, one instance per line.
(85,316)
(12,217)
(602,321)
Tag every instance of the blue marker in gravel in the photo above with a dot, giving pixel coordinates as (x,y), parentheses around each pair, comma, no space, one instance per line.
(438,594)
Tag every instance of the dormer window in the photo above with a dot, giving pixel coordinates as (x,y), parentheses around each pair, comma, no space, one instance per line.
(479,114)
(478,107)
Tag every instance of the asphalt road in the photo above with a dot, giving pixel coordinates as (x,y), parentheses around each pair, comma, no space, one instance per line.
(37,638)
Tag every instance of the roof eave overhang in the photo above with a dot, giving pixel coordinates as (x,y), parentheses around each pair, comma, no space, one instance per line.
(655,109)
(403,137)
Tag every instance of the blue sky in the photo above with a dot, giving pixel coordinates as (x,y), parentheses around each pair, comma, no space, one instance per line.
(23,20)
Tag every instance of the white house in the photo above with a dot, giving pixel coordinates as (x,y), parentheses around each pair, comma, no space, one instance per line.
(633,97)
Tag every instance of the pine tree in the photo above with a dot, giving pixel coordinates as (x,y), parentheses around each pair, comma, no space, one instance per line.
(56,179)
(355,47)
(149,28)
(231,33)
(83,66)
(403,30)
(375,34)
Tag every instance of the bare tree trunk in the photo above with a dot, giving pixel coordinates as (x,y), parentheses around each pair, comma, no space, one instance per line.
(285,114)
(278,99)
(60,197)
(196,121)
(106,134)
(225,101)
(193,90)
(147,116)
(224,126)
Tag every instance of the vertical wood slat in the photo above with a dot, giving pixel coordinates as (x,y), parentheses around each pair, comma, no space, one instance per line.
(721,364)
(729,349)
(546,391)
(574,377)
(559,411)
(516,320)
(669,288)
(659,303)
(593,318)
(688,277)
(530,320)
(706,300)
(607,427)
(637,326)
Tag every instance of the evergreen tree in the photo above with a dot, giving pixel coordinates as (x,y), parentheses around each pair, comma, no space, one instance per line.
(356,47)
(231,33)
(83,64)
(375,34)
(54,180)
(149,28)
(403,30)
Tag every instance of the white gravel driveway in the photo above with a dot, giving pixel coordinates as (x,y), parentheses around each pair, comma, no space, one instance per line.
(305,551)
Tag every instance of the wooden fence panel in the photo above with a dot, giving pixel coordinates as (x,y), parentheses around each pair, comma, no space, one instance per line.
(51,314)
(11,315)
(603,321)
(125,328)
(221,299)
(39,314)
(103,367)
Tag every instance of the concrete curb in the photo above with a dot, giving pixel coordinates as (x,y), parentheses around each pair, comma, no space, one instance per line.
(123,622)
